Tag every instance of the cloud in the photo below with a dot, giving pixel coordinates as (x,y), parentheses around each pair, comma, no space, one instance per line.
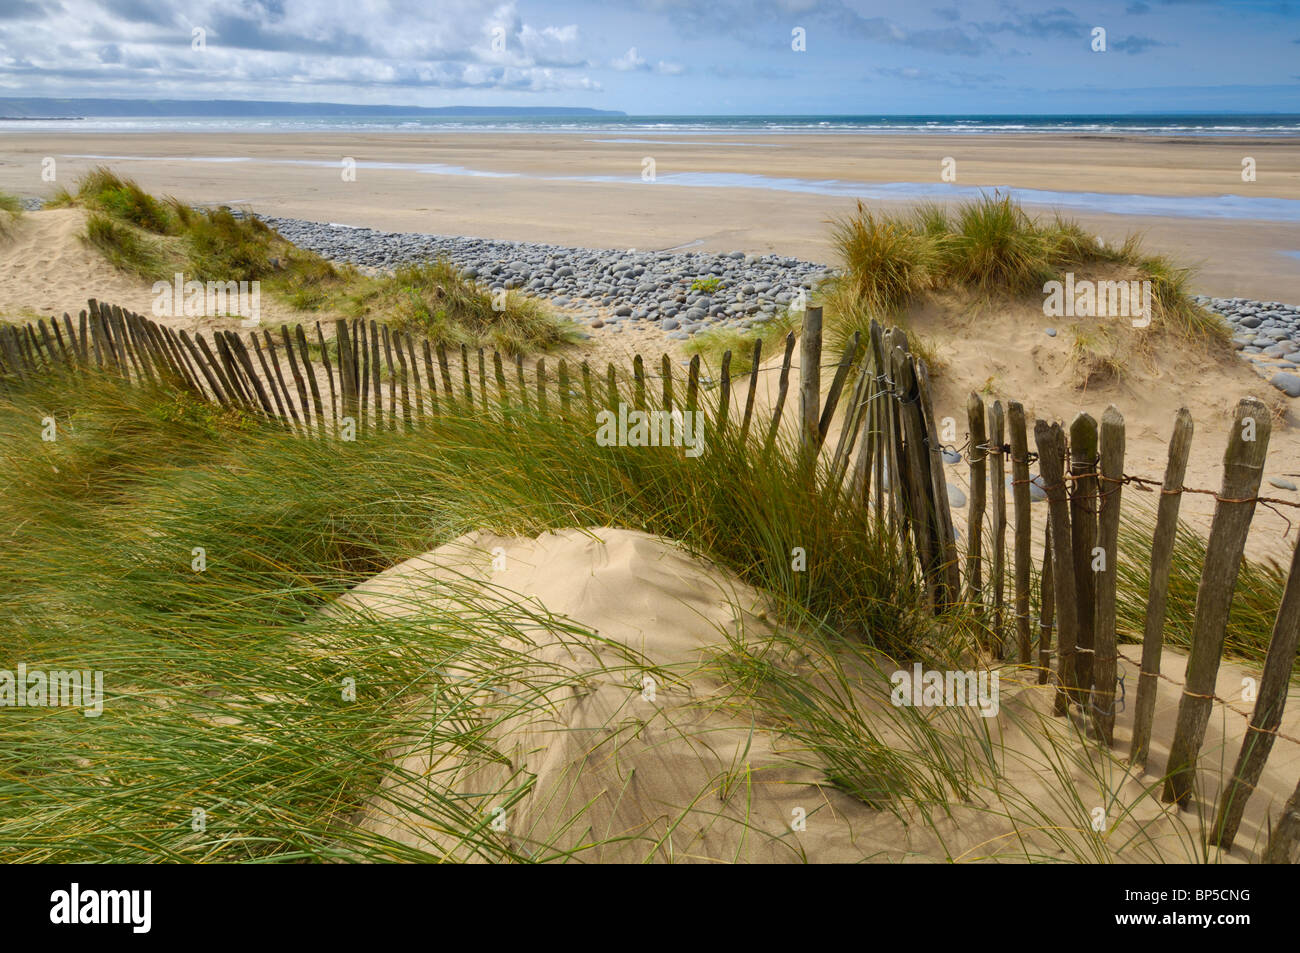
(767,23)
(1138,8)
(628,61)
(1055,23)
(1132,45)
(632,61)
(906,72)
(947,78)
(24,10)
(143,47)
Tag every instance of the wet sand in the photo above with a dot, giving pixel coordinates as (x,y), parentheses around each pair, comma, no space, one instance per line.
(725,191)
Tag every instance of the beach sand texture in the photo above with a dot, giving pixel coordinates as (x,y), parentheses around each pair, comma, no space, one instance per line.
(692,776)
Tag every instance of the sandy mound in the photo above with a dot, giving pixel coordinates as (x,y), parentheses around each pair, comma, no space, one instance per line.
(46,270)
(1003,352)
(606,772)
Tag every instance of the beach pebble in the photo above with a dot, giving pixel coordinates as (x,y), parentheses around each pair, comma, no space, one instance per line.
(955,495)
(647,287)
(1288,384)
(1281,484)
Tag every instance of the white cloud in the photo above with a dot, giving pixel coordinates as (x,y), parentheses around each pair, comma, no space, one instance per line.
(350,47)
(629,61)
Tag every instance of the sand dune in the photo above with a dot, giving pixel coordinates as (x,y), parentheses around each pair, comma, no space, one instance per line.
(688,776)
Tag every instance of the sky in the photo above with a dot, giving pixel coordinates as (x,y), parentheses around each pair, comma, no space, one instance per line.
(667,57)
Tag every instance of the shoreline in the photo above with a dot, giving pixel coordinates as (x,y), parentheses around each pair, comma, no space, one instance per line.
(562,189)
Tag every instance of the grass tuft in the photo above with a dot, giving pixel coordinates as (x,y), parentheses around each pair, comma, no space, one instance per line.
(434,298)
(990,247)
(11,207)
(152,238)
(125,248)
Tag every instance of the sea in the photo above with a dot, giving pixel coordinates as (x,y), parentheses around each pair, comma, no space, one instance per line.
(635,128)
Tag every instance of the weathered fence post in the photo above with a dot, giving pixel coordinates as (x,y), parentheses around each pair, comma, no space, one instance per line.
(810,357)
(783,386)
(1021,556)
(1105,657)
(997,481)
(1286,833)
(1243,469)
(1050,440)
(975,510)
(724,393)
(1046,609)
(1269,705)
(1083,541)
(947,534)
(1162,555)
(753,386)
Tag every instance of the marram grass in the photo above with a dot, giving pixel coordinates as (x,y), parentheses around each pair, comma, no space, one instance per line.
(153,239)
(226,687)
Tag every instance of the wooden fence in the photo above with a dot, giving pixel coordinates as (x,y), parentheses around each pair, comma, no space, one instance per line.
(888,458)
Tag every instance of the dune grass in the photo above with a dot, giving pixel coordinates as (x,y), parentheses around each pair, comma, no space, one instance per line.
(153,238)
(10,210)
(102,190)
(435,299)
(1255,600)
(991,248)
(712,343)
(127,249)
(205,669)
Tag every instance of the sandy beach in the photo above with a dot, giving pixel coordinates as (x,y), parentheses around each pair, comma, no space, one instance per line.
(755,193)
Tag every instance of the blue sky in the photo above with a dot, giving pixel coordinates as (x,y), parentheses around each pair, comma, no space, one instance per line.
(666,56)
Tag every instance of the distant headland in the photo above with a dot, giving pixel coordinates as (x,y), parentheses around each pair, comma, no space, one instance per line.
(46,108)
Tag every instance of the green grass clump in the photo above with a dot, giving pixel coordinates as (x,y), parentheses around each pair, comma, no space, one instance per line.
(885,262)
(125,248)
(1255,600)
(102,190)
(153,238)
(996,248)
(436,299)
(222,247)
(10,209)
(712,343)
(1173,306)
(706,285)
(990,247)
